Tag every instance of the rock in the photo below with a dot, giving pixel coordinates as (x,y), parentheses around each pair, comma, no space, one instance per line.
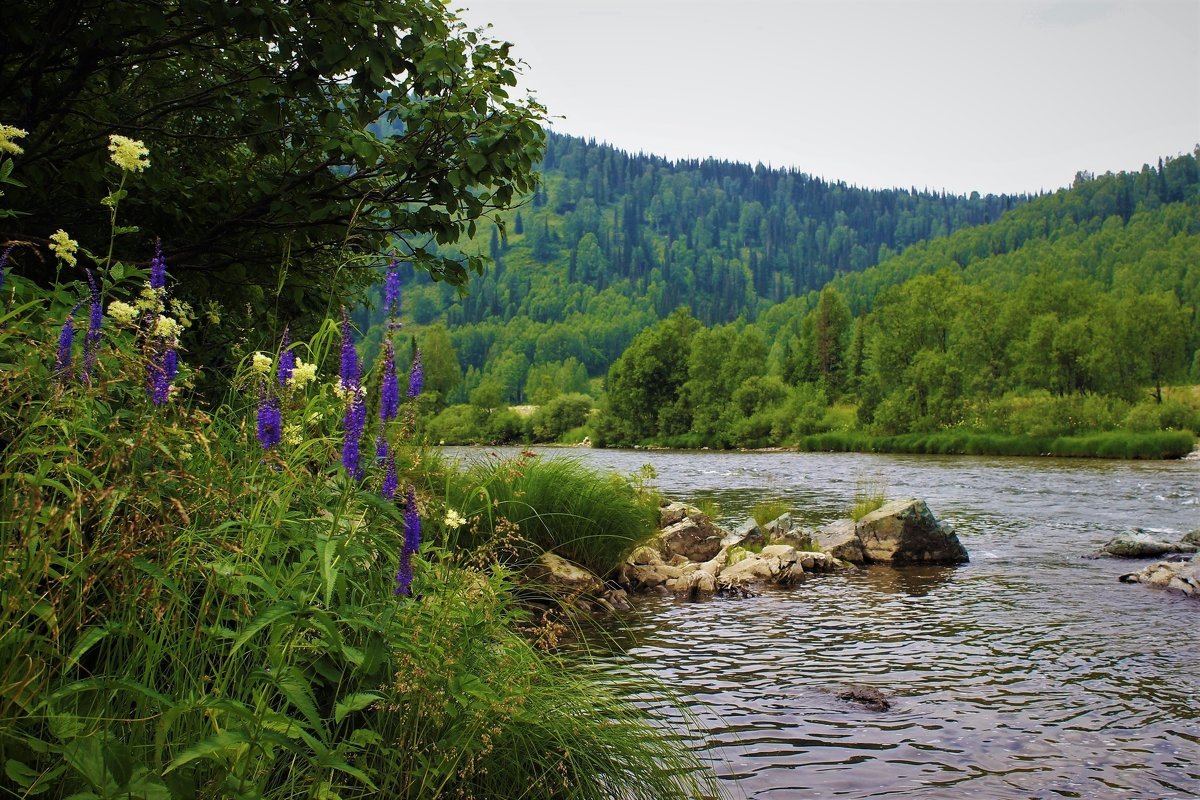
(1137,543)
(560,576)
(866,696)
(646,554)
(1191,538)
(777,565)
(1179,576)
(616,600)
(694,586)
(695,538)
(748,534)
(673,513)
(840,540)
(638,577)
(906,532)
(780,526)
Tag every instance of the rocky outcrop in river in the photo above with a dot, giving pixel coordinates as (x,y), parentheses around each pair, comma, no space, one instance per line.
(693,557)
(1178,576)
(1137,543)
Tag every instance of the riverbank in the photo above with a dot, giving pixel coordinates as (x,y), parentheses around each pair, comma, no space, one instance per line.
(1155,446)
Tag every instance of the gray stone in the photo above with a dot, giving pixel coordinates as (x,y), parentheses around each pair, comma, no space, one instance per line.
(560,576)
(748,534)
(695,538)
(840,540)
(780,526)
(673,513)
(865,696)
(1138,543)
(906,532)
(1178,576)
(777,565)
(1191,538)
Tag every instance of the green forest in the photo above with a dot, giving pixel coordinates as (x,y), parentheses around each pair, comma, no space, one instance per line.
(1004,324)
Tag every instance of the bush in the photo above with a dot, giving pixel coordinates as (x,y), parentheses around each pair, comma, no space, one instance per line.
(564,413)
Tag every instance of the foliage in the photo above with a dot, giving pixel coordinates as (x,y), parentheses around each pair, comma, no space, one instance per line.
(296,132)
(769,511)
(868,496)
(530,505)
(564,413)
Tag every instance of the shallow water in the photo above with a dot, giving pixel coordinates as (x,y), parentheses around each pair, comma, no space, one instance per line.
(1028,673)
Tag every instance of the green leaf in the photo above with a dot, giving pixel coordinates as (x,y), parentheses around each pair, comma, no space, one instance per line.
(272,615)
(355,702)
(220,744)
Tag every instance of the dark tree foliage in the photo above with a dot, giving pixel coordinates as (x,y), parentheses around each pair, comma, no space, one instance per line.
(283,135)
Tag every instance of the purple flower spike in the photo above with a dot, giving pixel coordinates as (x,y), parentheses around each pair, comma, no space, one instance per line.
(91,340)
(164,364)
(158,267)
(416,378)
(389,392)
(390,481)
(270,420)
(66,339)
(287,359)
(349,367)
(381,448)
(391,294)
(412,543)
(353,424)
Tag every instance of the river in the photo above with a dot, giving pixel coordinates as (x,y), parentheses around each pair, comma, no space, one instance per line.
(1028,673)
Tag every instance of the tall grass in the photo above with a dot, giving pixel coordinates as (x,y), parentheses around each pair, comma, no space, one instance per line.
(556,505)
(1111,444)
(769,511)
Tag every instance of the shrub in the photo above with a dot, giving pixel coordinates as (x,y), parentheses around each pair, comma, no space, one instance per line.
(564,413)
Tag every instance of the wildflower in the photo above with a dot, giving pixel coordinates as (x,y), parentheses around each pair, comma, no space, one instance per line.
(149,299)
(302,373)
(64,246)
(270,420)
(412,543)
(91,340)
(391,294)
(389,391)
(293,435)
(167,328)
(182,311)
(158,267)
(287,359)
(381,447)
(128,154)
(390,481)
(7,134)
(353,423)
(66,338)
(212,313)
(416,378)
(122,313)
(261,363)
(454,519)
(349,367)
(161,371)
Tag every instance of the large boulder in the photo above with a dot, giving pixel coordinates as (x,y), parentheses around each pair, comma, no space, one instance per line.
(840,540)
(748,534)
(694,537)
(1138,543)
(906,532)
(1179,576)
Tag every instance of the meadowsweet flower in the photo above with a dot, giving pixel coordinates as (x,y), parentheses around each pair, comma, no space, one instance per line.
(91,339)
(391,294)
(287,359)
(66,339)
(270,420)
(128,154)
(7,134)
(150,300)
(302,373)
(412,542)
(389,390)
(167,328)
(353,424)
(293,434)
(349,371)
(64,246)
(261,363)
(416,378)
(390,480)
(158,267)
(182,311)
(454,519)
(122,313)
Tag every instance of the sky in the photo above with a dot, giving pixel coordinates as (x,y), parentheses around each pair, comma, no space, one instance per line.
(973,95)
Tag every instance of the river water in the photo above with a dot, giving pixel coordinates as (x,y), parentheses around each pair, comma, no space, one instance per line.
(1028,673)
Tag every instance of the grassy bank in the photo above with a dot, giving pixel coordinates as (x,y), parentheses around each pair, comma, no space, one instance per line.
(1109,444)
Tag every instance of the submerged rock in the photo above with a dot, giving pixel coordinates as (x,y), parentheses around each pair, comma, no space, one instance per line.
(1138,543)
(865,696)
(1178,576)
(906,532)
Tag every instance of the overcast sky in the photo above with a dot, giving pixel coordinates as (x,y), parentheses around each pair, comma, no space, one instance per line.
(1008,96)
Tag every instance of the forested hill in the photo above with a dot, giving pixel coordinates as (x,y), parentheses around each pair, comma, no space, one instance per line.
(613,241)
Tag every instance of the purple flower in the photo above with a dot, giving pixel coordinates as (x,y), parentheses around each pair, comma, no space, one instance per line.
(391,294)
(381,447)
(66,338)
(349,368)
(389,392)
(163,366)
(390,481)
(158,267)
(412,543)
(353,424)
(91,340)
(270,420)
(416,378)
(287,359)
